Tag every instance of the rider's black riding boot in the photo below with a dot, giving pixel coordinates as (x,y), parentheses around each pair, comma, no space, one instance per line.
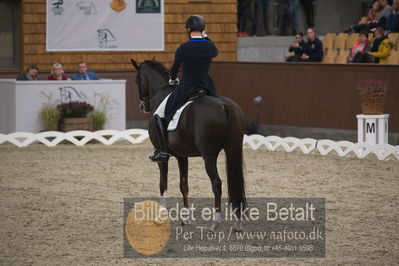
(161,153)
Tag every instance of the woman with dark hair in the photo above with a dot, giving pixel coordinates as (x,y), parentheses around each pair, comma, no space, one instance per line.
(381,47)
(361,46)
(297,47)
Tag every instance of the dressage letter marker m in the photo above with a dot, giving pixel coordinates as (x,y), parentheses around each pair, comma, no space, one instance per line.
(370,128)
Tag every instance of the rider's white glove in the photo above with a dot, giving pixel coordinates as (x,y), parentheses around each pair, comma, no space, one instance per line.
(174,82)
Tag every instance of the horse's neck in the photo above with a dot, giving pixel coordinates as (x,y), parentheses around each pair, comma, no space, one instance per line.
(157,80)
(159,97)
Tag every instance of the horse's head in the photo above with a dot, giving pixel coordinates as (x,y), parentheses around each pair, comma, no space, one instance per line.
(151,78)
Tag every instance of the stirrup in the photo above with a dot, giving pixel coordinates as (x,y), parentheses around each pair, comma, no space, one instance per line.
(160,157)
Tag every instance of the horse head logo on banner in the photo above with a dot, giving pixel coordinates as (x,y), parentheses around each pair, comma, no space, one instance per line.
(68,94)
(105,36)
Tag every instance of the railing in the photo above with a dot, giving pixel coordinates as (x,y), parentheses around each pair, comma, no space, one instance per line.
(255,142)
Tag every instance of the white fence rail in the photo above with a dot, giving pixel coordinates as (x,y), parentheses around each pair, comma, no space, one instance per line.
(271,143)
(77,137)
(324,147)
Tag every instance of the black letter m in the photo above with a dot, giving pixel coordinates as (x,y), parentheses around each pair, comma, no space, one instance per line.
(370,129)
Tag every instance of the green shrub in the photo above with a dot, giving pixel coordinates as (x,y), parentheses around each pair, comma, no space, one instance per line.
(99,119)
(50,116)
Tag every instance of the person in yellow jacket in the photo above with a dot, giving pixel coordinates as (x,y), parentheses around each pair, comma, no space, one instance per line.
(381,47)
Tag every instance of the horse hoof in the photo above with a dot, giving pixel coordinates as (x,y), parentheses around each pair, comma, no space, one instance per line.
(214,227)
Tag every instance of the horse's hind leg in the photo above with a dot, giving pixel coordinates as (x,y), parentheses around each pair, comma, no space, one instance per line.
(183,169)
(163,182)
(212,171)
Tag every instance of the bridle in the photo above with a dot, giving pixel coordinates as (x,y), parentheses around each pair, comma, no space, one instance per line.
(145,100)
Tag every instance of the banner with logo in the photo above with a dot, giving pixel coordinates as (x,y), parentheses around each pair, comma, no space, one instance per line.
(105,25)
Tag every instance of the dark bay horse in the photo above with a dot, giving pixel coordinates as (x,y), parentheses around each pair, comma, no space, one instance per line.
(206,126)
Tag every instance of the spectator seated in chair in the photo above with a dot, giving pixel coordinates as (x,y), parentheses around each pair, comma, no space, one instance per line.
(372,15)
(382,17)
(381,47)
(369,22)
(57,73)
(297,47)
(313,51)
(361,46)
(83,73)
(30,74)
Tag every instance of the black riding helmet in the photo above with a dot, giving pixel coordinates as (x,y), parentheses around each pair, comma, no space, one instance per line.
(195,23)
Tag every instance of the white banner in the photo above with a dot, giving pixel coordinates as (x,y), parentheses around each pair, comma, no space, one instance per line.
(105,25)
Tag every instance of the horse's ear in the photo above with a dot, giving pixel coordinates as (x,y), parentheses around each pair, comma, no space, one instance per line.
(136,66)
(153,58)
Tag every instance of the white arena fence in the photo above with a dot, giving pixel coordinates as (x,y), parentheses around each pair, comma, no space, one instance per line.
(255,142)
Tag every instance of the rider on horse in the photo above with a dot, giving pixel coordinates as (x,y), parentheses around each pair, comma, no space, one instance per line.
(196,56)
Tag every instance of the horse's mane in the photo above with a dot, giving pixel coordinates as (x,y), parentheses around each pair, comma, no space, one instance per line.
(159,67)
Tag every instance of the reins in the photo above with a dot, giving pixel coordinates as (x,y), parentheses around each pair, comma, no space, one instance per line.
(158,90)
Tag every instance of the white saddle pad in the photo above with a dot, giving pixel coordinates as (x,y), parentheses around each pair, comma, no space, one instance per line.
(161,112)
(173,123)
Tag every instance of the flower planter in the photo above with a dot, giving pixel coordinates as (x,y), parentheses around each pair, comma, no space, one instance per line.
(372,94)
(372,102)
(78,123)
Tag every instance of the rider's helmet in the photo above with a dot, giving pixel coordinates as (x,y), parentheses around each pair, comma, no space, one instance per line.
(195,23)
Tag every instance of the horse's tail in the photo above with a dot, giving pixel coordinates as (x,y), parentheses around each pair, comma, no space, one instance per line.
(234,156)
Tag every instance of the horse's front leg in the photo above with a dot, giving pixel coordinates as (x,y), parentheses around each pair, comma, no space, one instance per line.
(183,169)
(163,183)
(212,171)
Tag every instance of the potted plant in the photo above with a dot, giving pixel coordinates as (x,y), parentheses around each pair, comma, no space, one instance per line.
(372,93)
(103,104)
(74,116)
(49,113)
(99,119)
